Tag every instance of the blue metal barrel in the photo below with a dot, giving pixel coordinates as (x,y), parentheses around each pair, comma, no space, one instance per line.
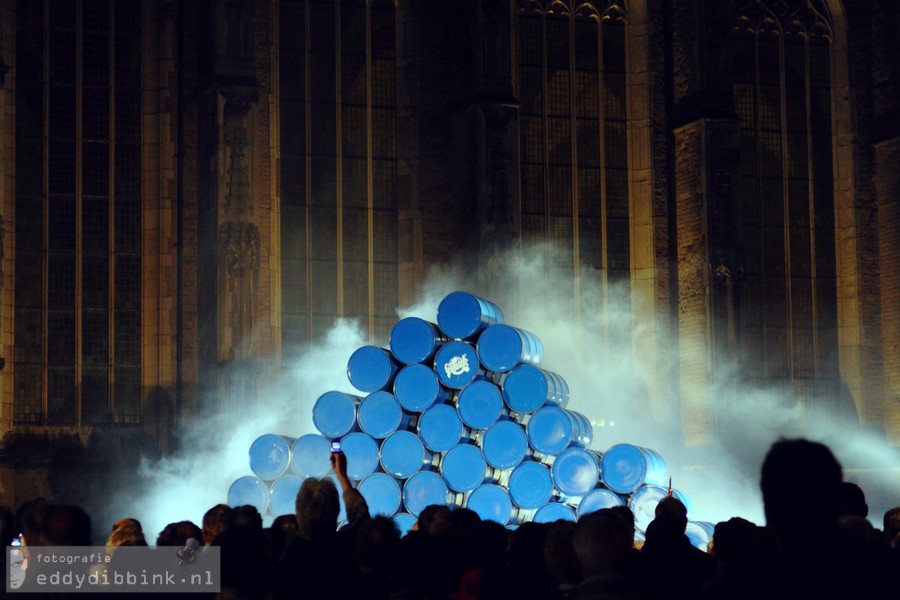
(371,368)
(440,427)
(464,468)
(479,404)
(405,522)
(416,387)
(492,503)
(463,316)
(380,415)
(362,455)
(504,444)
(576,471)
(456,365)
(334,414)
(552,512)
(597,499)
(382,494)
(700,533)
(502,347)
(414,340)
(311,456)
(249,490)
(528,388)
(283,495)
(552,429)
(424,489)
(402,454)
(644,500)
(270,456)
(530,485)
(624,468)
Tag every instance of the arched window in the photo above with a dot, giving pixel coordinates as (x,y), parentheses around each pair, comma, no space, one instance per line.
(338,131)
(77,213)
(570,81)
(782,93)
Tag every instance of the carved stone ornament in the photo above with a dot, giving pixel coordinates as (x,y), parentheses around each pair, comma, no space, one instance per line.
(239,246)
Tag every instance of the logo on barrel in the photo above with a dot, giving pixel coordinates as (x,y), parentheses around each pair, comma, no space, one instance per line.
(456,366)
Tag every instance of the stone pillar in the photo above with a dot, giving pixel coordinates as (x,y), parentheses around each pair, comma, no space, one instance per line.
(886,63)
(495,131)
(159,229)
(237,220)
(707,156)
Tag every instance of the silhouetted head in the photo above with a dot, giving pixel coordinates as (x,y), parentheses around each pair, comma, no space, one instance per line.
(463,518)
(891,523)
(673,511)
(318,507)
(248,515)
(126,535)
(57,525)
(177,534)
(801,489)
(734,537)
(216,520)
(853,501)
(435,520)
(376,544)
(602,542)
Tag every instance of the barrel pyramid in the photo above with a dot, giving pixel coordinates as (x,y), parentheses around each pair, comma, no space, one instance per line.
(459,411)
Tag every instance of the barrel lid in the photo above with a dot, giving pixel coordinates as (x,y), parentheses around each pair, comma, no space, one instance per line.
(463,467)
(424,489)
(283,495)
(270,456)
(440,427)
(597,499)
(550,430)
(362,455)
(479,404)
(334,414)
(413,340)
(500,348)
(530,485)
(416,387)
(491,502)
(402,454)
(525,389)
(370,368)
(575,471)
(456,364)
(461,315)
(249,490)
(382,494)
(623,468)
(552,512)
(311,456)
(504,444)
(379,414)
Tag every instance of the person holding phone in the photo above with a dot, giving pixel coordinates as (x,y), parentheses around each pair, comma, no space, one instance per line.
(320,555)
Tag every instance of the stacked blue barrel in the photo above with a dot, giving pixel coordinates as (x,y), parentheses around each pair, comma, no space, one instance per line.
(459,412)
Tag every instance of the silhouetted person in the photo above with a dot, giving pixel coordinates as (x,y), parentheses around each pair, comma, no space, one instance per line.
(216,520)
(743,551)
(853,501)
(603,543)
(319,557)
(891,524)
(484,561)
(528,577)
(678,568)
(559,556)
(245,566)
(375,552)
(801,490)
(177,534)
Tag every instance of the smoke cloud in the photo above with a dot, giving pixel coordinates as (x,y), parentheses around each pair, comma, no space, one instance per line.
(590,343)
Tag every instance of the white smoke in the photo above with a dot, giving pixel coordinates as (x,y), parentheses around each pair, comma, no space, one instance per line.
(590,344)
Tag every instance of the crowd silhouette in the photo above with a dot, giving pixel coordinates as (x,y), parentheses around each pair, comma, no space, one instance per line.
(816,543)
